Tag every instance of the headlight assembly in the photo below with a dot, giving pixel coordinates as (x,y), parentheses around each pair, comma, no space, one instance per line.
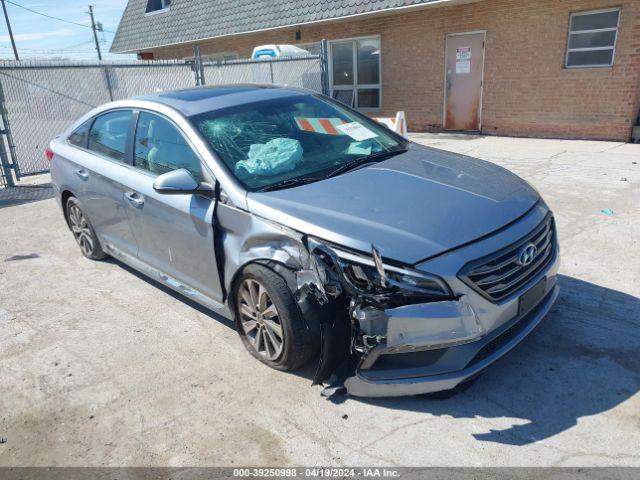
(368,275)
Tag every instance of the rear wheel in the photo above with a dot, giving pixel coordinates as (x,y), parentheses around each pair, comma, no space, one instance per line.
(83,231)
(269,321)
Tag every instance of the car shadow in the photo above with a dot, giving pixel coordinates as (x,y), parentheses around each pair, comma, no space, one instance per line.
(307,371)
(582,360)
(11,196)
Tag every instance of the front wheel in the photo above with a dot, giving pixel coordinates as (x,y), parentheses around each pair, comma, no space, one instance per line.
(83,231)
(269,321)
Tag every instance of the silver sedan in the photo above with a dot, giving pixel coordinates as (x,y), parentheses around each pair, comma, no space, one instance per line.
(402,269)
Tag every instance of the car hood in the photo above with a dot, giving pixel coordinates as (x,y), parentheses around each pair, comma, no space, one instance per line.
(411,207)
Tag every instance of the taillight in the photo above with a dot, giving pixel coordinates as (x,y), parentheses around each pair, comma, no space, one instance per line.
(48,153)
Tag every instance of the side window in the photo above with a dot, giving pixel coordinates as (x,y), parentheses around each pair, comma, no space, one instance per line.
(160,147)
(108,135)
(80,135)
(592,38)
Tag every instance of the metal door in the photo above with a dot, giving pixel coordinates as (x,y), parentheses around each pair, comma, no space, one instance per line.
(464,64)
(102,197)
(99,180)
(175,236)
(174,232)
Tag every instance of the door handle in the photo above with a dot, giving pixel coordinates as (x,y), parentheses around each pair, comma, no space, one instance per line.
(135,199)
(83,174)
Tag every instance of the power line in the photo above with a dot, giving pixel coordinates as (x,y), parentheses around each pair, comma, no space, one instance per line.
(62,50)
(54,50)
(51,52)
(52,17)
(71,47)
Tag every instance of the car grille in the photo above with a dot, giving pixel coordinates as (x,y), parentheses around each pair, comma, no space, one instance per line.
(499,275)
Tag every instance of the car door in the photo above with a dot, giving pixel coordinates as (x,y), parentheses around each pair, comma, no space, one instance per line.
(102,172)
(174,232)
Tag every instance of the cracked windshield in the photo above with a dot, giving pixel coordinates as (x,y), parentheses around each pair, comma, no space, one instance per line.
(290,141)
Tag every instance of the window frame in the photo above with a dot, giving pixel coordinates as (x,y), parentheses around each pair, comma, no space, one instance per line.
(355,86)
(165,8)
(131,139)
(88,122)
(596,30)
(207,173)
(91,121)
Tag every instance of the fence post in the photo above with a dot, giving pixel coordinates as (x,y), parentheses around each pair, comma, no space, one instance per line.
(5,165)
(324,66)
(107,76)
(5,168)
(271,69)
(198,67)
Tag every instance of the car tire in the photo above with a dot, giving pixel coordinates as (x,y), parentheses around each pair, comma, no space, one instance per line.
(82,231)
(264,308)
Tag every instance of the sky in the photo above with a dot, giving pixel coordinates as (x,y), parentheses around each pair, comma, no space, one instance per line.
(37,36)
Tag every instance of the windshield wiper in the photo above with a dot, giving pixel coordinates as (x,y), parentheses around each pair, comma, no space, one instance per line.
(294,182)
(291,182)
(374,157)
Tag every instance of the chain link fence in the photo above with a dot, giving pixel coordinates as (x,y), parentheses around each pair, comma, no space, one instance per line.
(294,72)
(38,100)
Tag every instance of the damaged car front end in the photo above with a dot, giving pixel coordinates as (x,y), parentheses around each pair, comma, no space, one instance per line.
(413,332)
(404,264)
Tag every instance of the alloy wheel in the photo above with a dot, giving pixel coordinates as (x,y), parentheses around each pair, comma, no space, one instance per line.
(81,230)
(260,320)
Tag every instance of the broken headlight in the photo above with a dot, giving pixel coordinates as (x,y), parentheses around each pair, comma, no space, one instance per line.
(370,276)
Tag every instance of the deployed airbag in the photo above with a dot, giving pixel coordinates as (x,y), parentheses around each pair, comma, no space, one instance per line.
(279,155)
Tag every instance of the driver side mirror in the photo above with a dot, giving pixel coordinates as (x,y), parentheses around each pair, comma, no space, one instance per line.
(179,182)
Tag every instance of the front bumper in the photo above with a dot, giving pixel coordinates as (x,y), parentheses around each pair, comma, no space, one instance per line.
(434,347)
(487,350)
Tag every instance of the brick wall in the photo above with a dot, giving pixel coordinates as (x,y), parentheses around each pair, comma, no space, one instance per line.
(527,90)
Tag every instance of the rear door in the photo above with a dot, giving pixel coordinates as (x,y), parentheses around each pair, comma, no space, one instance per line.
(463,81)
(174,232)
(103,173)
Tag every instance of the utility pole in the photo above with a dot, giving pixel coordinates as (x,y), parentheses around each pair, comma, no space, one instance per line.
(95,31)
(13,42)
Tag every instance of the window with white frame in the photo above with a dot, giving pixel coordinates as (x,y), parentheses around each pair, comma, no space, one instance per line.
(592,38)
(355,72)
(157,5)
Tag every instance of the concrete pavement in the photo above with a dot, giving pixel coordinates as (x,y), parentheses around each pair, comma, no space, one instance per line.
(99,366)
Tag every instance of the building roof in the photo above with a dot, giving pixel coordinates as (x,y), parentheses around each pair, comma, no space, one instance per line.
(193,20)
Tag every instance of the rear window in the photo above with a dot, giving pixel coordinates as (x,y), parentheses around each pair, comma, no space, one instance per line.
(109,133)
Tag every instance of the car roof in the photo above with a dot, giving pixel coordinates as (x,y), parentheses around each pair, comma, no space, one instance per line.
(193,101)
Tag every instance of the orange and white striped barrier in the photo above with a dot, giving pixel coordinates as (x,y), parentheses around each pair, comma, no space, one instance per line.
(397,124)
(326,126)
